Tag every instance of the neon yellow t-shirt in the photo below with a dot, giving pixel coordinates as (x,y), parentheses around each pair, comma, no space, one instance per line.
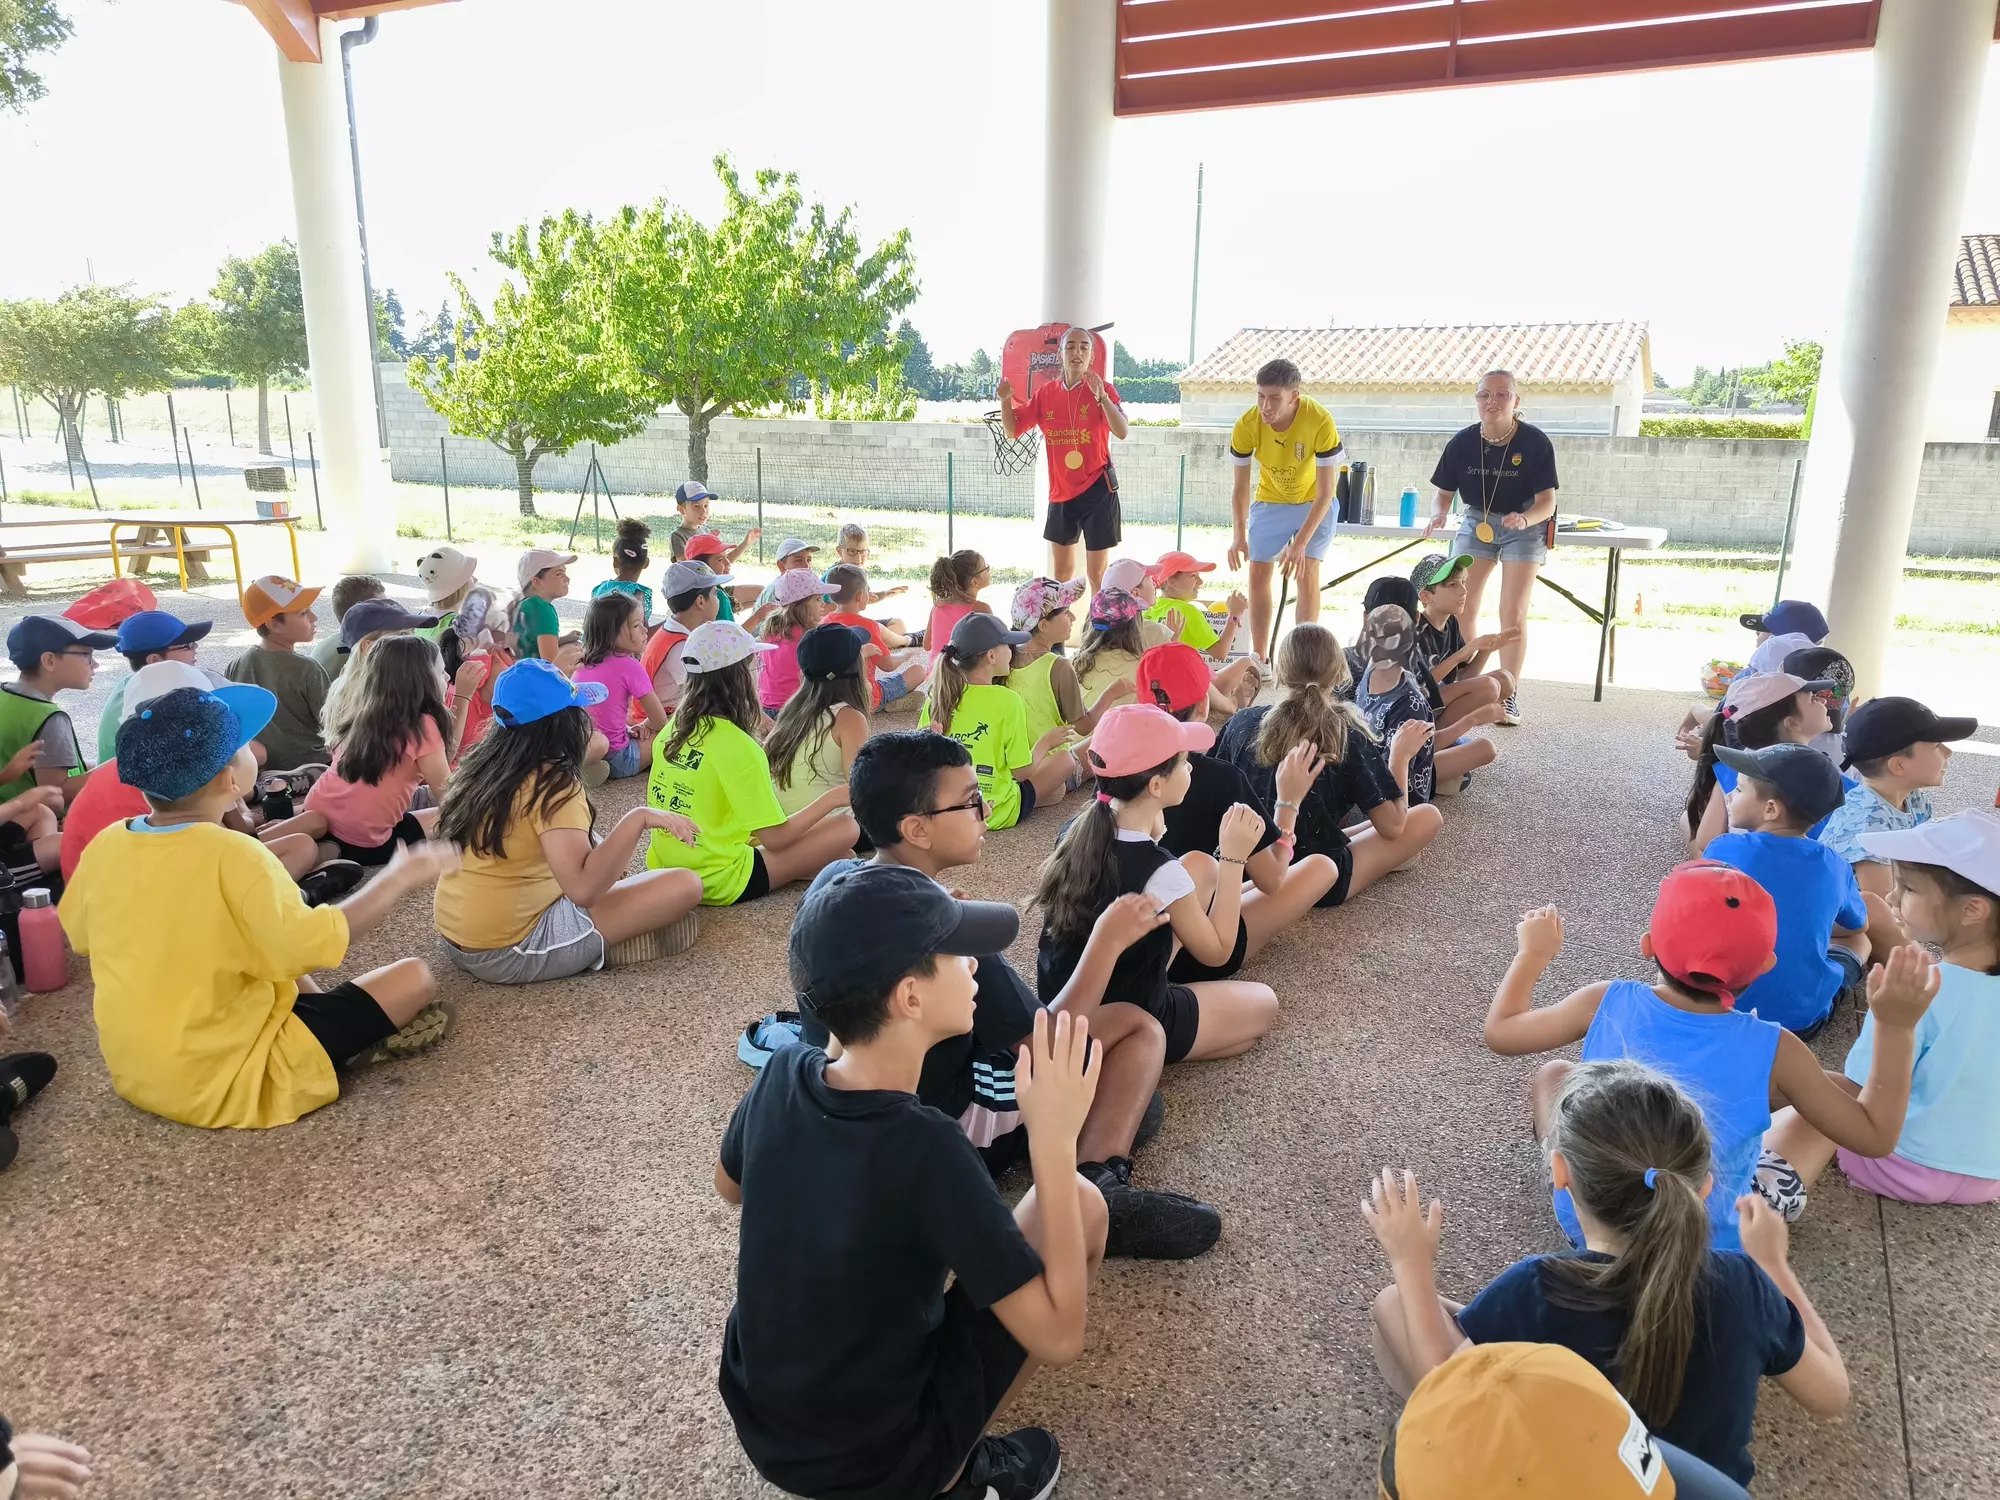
(196,938)
(1185,619)
(1288,462)
(722,780)
(992,723)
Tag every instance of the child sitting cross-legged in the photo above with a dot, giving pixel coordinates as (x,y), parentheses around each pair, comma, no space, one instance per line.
(1389,695)
(1946,893)
(1899,749)
(1471,694)
(201,948)
(824,723)
(918,801)
(801,599)
(1782,792)
(694,597)
(711,768)
(1454,752)
(53,654)
(535,898)
(1772,708)
(1178,579)
(542,577)
(630,717)
(348,590)
(956,580)
(281,611)
(1686,1331)
(1041,676)
(848,1368)
(1713,933)
(966,702)
(149,636)
(630,558)
(1140,757)
(897,667)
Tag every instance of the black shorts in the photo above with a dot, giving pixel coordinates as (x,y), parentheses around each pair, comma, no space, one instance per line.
(1027,801)
(760,879)
(345,1020)
(1343,860)
(407,831)
(1093,516)
(1179,1015)
(1187,969)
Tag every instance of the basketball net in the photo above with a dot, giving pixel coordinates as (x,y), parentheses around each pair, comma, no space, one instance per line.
(1015,455)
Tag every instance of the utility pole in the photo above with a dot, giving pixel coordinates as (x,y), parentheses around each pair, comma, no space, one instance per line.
(1194,292)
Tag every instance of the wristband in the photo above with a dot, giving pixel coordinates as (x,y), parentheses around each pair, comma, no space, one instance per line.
(1281,804)
(1224,859)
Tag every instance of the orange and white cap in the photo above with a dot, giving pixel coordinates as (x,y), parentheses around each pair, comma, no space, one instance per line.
(271,596)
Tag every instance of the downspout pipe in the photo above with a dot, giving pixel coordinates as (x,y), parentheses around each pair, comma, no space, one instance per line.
(349,40)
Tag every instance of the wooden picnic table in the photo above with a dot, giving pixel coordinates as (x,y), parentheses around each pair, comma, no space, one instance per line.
(152,536)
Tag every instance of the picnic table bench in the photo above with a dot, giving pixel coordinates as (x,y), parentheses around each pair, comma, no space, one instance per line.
(150,537)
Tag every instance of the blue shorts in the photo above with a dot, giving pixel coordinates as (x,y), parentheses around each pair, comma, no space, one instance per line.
(894,685)
(1273,526)
(624,761)
(1530,545)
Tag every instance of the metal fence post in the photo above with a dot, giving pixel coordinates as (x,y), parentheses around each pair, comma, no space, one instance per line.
(229,411)
(950,498)
(188,433)
(1180,505)
(290,446)
(444,468)
(95,502)
(312,462)
(760,504)
(1791,515)
(173,427)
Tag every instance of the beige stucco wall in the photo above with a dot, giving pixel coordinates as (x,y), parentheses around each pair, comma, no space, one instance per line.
(1967,377)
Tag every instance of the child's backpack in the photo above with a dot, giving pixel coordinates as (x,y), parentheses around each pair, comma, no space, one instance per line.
(108,607)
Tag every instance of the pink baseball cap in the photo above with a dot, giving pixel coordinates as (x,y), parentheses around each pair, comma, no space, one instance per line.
(1135,737)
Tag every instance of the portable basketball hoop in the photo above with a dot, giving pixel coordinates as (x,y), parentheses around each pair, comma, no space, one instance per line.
(1012,455)
(1028,357)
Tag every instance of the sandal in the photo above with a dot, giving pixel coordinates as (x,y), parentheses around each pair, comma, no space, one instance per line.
(662,942)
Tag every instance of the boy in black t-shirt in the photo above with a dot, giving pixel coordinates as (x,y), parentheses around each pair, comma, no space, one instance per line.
(849,1370)
(1458,665)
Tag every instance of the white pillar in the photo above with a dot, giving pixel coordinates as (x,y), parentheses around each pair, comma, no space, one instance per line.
(1868,425)
(1076,177)
(353,489)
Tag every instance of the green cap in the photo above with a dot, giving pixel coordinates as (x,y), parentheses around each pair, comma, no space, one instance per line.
(1435,568)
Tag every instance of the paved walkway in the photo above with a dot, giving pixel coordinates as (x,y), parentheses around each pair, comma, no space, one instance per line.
(501,1268)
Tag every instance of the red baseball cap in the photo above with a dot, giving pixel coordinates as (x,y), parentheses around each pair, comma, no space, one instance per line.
(708,544)
(1135,737)
(1174,676)
(1178,562)
(1714,928)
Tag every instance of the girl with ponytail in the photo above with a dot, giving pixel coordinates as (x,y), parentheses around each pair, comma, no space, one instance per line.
(1769,709)
(1358,774)
(956,580)
(630,558)
(1016,774)
(1685,1332)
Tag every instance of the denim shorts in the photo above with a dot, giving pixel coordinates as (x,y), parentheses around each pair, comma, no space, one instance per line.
(1273,526)
(1529,545)
(625,761)
(894,685)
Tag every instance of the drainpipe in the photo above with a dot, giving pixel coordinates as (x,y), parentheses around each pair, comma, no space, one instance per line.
(349,40)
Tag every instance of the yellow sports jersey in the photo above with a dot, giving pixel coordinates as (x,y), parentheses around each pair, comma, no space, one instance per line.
(1288,461)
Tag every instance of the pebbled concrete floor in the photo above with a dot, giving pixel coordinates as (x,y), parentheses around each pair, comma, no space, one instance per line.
(501,1269)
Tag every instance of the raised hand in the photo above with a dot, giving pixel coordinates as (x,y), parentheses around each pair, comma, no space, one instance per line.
(1298,771)
(24,760)
(673,824)
(422,864)
(1901,990)
(1055,1076)
(1408,1233)
(1539,934)
(1767,1238)
(1411,736)
(1129,919)
(1241,828)
(1238,602)
(49,1468)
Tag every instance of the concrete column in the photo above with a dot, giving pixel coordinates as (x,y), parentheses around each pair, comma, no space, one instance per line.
(1076,178)
(1868,426)
(353,490)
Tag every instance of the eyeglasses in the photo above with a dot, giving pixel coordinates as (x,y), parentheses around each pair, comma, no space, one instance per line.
(76,651)
(977,805)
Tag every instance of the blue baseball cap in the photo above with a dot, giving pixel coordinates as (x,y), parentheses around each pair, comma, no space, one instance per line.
(156,630)
(534,689)
(35,635)
(1790,617)
(175,745)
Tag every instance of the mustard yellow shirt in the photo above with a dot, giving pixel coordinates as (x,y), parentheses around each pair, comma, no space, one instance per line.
(196,938)
(1288,462)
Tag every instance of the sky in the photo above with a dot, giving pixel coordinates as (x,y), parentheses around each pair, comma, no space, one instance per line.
(1716,204)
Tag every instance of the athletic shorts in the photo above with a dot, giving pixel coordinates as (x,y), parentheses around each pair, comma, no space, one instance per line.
(1093,516)
(624,761)
(1186,969)
(1912,1182)
(344,1020)
(565,942)
(1530,545)
(759,884)
(1850,976)
(1179,1015)
(1272,527)
(1343,861)
(407,831)
(1027,802)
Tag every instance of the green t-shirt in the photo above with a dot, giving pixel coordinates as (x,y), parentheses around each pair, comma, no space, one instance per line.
(292,738)
(534,617)
(332,660)
(630,586)
(1185,619)
(992,723)
(722,780)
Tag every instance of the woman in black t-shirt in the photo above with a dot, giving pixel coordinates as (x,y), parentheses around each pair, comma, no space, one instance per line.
(1358,775)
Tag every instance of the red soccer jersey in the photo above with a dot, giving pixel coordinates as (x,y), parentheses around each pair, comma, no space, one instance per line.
(1075,432)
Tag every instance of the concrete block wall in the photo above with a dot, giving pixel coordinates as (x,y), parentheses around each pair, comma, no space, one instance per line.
(1414,411)
(1703,491)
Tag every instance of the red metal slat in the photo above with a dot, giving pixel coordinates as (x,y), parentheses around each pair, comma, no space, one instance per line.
(1498,18)
(1238,49)
(1733,39)
(1287,83)
(1169,17)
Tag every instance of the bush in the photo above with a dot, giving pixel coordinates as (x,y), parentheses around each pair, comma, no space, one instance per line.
(1148,388)
(1716,427)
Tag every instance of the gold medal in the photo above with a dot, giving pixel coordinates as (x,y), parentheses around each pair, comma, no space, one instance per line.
(1073,459)
(1484,532)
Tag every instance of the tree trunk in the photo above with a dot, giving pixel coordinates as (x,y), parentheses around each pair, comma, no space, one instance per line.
(524,476)
(698,444)
(69,414)
(264,414)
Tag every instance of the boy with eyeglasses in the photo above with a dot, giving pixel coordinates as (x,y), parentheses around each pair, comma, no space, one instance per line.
(54,655)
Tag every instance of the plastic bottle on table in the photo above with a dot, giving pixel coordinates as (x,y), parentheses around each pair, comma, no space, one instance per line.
(1406,514)
(10,988)
(44,955)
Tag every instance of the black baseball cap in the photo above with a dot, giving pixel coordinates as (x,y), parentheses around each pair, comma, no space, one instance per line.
(830,651)
(1804,778)
(1389,589)
(1883,726)
(1790,617)
(872,923)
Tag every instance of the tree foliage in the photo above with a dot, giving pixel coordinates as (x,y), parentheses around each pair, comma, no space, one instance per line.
(716,319)
(258,330)
(1124,366)
(90,341)
(392,337)
(26,28)
(537,376)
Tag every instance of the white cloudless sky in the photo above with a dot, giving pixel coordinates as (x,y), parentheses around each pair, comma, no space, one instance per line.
(1715,203)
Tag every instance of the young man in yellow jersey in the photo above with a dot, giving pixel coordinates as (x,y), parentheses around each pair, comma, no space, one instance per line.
(1289,524)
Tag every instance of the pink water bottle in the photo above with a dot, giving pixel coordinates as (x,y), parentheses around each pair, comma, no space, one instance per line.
(44,957)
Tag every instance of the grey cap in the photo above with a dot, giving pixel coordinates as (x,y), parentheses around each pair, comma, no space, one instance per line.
(686,577)
(976,634)
(792,545)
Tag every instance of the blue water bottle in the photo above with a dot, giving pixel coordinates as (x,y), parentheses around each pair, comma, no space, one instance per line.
(1406,514)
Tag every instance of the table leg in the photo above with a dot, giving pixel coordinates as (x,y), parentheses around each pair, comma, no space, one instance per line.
(290,531)
(180,555)
(1605,624)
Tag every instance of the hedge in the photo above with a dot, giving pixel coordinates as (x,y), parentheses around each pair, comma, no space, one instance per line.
(1148,388)
(1717,427)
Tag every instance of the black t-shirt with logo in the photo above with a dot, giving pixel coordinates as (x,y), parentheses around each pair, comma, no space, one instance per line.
(1513,472)
(1435,643)
(1360,780)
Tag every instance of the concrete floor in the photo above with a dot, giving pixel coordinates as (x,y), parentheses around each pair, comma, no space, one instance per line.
(501,1268)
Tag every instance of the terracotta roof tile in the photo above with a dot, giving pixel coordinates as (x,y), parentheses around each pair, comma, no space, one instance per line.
(1978,280)
(1546,354)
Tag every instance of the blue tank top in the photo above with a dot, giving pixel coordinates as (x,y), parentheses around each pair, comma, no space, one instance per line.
(1722,1060)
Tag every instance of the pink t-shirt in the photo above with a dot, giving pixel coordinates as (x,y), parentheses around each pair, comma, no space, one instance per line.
(625,678)
(778,672)
(364,815)
(937,630)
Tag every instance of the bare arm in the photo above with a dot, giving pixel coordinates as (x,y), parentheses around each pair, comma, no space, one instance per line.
(410,868)
(656,714)
(1010,419)
(1874,878)
(1513,1028)
(1440,509)
(1818,1382)
(584,873)
(726,1187)
(1714,822)
(1211,935)
(780,836)
(1409,1235)
(1118,927)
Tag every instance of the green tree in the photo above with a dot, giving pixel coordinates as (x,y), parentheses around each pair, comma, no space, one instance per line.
(439,338)
(713,320)
(27,27)
(90,341)
(1125,366)
(919,374)
(390,333)
(259,329)
(888,399)
(536,377)
(1795,377)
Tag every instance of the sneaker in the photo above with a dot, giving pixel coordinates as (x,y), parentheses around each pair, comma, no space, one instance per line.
(765,1035)
(297,781)
(330,881)
(1152,1120)
(1510,711)
(1147,1225)
(1778,1183)
(1023,1465)
(22,1076)
(427,1028)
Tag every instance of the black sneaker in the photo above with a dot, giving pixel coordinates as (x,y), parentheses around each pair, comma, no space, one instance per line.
(330,881)
(22,1076)
(1023,1465)
(1152,1120)
(1147,1225)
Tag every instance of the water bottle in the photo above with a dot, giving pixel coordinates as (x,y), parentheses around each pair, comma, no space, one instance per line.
(1406,514)
(10,989)
(44,956)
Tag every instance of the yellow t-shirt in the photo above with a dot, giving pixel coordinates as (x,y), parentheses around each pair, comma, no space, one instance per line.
(722,780)
(1287,462)
(1185,619)
(1107,667)
(196,938)
(493,903)
(992,723)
